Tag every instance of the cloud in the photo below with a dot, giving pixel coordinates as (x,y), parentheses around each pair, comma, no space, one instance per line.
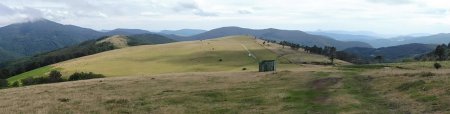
(392,2)
(244,12)
(22,13)
(371,15)
(192,7)
(4,10)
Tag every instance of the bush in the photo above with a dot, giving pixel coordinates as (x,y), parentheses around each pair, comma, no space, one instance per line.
(15,84)
(3,83)
(408,85)
(84,76)
(34,81)
(28,81)
(55,76)
(426,74)
(437,65)
(244,68)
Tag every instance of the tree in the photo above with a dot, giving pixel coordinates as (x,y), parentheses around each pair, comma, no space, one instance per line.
(379,58)
(441,52)
(55,76)
(437,66)
(3,83)
(4,73)
(332,54)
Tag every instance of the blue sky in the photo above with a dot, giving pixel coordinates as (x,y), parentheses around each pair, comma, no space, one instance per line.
(382,16)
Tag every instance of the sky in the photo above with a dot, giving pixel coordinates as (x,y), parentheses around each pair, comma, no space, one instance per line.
(381,16)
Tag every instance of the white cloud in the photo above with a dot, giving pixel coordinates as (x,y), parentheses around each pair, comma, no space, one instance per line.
(386,16)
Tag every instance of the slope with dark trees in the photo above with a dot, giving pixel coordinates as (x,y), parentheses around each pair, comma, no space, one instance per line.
(85,48)
(392,54)
(29,38)
(122,31)
(328,51)
(293,36)
(440,53)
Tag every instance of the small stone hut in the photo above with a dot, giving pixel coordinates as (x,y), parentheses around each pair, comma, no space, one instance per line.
(267,66)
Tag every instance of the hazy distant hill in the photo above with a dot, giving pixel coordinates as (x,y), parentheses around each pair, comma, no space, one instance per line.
(29,38)
(372,40)
(378,42)
(183,32)
(121,31)
(394,53)
(345,37)
(279,35)
(433,39)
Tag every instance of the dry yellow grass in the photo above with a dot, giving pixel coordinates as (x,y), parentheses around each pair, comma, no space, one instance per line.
(119,41)
(288,55)
(432,96)
(225,92)
(191,56)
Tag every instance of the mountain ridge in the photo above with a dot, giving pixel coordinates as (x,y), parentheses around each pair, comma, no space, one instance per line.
(295,36)
(393,53)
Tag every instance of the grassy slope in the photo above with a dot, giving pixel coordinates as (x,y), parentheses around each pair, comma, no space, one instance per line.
(192,56)
(225,92)
(34,73)
(384,88)
(311,89)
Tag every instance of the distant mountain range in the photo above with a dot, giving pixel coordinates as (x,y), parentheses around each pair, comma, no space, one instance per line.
(378,42)
(30,38)
(294,36)
(183,32)
(393,53)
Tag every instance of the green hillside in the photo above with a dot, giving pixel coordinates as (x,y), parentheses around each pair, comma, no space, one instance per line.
(33,64)
(191,56)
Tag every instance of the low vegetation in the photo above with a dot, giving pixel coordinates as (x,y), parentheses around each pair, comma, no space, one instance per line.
(53,77)
(84,76)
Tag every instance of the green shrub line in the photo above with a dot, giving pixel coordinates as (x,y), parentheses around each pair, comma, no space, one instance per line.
(54,77)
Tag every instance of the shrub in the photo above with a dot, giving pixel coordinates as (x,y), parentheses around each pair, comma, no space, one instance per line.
(37,80)
(55,76)
(437,65)
(15,84)
(63,99)
(244,68)
(84,76)
(3,83)
(426,74)
(409,85)
(28,81)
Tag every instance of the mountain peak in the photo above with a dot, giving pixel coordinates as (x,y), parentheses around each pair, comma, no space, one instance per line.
(40,21)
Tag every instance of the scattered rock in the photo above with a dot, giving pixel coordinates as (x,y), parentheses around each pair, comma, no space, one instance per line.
(63,100)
